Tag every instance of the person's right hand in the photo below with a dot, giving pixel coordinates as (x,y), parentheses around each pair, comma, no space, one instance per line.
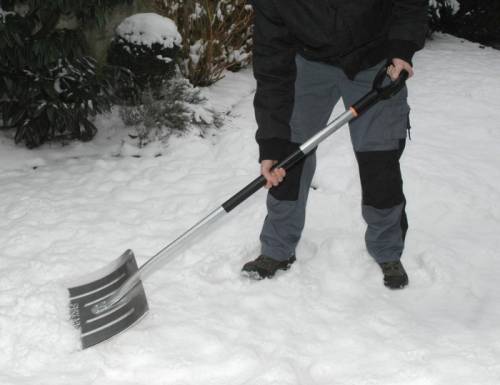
(274,177)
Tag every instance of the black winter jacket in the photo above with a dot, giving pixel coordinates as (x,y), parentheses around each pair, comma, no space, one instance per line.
(351,34)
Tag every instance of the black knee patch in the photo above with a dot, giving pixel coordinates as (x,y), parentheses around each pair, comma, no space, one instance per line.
(288,190)
(381,181)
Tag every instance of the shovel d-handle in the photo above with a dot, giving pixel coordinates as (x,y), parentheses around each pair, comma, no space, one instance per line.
(378,93)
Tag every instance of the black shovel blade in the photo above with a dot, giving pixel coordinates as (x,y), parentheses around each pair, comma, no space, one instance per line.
(130,309)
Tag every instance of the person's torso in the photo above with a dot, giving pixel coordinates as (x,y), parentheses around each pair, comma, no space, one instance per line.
(325,29)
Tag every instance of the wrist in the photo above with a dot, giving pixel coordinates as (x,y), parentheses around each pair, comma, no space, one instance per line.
(401,49)
(272,148)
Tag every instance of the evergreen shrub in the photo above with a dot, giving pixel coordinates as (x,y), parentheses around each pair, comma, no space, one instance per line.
(49,88)
(147,45)
(172,109)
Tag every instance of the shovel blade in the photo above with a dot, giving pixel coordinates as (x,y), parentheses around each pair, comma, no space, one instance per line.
(130,309)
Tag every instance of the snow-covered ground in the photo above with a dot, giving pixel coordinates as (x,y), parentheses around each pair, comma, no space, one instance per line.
(329,320)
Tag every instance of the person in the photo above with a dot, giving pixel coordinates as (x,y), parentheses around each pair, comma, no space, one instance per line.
(307,55)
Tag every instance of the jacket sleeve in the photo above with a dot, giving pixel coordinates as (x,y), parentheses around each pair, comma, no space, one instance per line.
(275,71)
(408,28)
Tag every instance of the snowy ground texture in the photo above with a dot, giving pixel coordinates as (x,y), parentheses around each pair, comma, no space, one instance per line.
(329,320)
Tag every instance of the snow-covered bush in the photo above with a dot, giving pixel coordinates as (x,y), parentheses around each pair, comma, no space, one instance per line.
(476,20)
(147,45)
(49,88)
(217,36)
(174,108)
(441,13)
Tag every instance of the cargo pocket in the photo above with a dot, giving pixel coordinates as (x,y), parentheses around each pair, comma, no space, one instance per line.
(382,126)
(397,120)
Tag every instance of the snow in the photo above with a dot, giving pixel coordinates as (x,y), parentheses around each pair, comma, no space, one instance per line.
(454,5)
(165,59)
(196,50)
(148,29)
(68,211)
(4,14)
(198,12)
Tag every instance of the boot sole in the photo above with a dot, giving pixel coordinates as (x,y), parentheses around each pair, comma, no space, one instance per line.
(254,275)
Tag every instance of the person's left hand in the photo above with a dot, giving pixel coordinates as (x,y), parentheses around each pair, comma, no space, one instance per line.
(397,66)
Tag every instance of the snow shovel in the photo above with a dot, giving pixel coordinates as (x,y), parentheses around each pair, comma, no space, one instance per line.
(115,299)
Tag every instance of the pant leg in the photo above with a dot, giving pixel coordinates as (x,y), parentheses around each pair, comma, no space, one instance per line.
(383,203)
(378,139)
(316,93)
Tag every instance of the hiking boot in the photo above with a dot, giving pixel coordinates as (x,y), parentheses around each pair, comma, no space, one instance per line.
(395,276)
(265,267)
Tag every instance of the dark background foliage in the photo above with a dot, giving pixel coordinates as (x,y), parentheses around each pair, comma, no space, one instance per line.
(49,88)
(476,20)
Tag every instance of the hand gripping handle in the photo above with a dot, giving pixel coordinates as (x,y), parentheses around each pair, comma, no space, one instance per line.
(379,91)
(260,181)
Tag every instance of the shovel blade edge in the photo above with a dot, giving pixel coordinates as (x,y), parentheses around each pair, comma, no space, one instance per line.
(130,309)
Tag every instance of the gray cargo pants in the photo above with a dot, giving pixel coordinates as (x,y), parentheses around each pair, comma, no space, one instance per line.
(378,139)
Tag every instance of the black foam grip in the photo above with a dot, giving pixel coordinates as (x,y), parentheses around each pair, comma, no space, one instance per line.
(259,182)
